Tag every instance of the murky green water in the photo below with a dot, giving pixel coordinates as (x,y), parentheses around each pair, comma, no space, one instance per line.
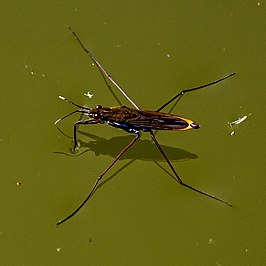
(139,215)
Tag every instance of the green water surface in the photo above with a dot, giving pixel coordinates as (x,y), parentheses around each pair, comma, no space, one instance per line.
(139,215)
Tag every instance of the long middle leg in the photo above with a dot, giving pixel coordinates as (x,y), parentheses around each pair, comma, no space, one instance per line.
(100,177)
(102,69)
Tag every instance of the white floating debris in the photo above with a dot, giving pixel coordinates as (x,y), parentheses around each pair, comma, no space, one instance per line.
(239,120)
(234,124)
(88,94)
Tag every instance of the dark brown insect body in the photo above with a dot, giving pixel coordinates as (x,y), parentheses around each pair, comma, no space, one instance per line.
(133,121)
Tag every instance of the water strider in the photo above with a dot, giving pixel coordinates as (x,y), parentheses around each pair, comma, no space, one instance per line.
(133,120)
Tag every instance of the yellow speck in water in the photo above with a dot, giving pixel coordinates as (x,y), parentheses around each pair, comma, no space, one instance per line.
(212,242)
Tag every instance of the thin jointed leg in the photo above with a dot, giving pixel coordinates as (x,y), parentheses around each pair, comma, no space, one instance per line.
(100,177)
(82,122)
(177,176)
(102,69)
(181,93)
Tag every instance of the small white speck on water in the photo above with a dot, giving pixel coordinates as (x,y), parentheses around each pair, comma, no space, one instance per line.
(88,94)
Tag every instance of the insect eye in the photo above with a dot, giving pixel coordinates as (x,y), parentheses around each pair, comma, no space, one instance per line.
(99,107)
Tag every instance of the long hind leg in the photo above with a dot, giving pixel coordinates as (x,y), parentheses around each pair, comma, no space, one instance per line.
(177,176)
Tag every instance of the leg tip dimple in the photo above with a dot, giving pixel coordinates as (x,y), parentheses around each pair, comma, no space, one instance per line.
(76,147)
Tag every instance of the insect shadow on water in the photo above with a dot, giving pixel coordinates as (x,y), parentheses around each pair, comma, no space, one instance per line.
(133,120)
(143,150)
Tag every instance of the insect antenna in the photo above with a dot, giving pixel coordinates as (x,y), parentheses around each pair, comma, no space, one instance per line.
(76,111)
(68,101)
(181,93)
(62,118)
(102,69)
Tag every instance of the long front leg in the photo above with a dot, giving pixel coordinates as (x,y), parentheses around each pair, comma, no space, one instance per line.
(177,176)
(100,177)
(82,122)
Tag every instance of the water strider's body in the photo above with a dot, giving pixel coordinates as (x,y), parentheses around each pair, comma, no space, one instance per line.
(129,119)
(133,121)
